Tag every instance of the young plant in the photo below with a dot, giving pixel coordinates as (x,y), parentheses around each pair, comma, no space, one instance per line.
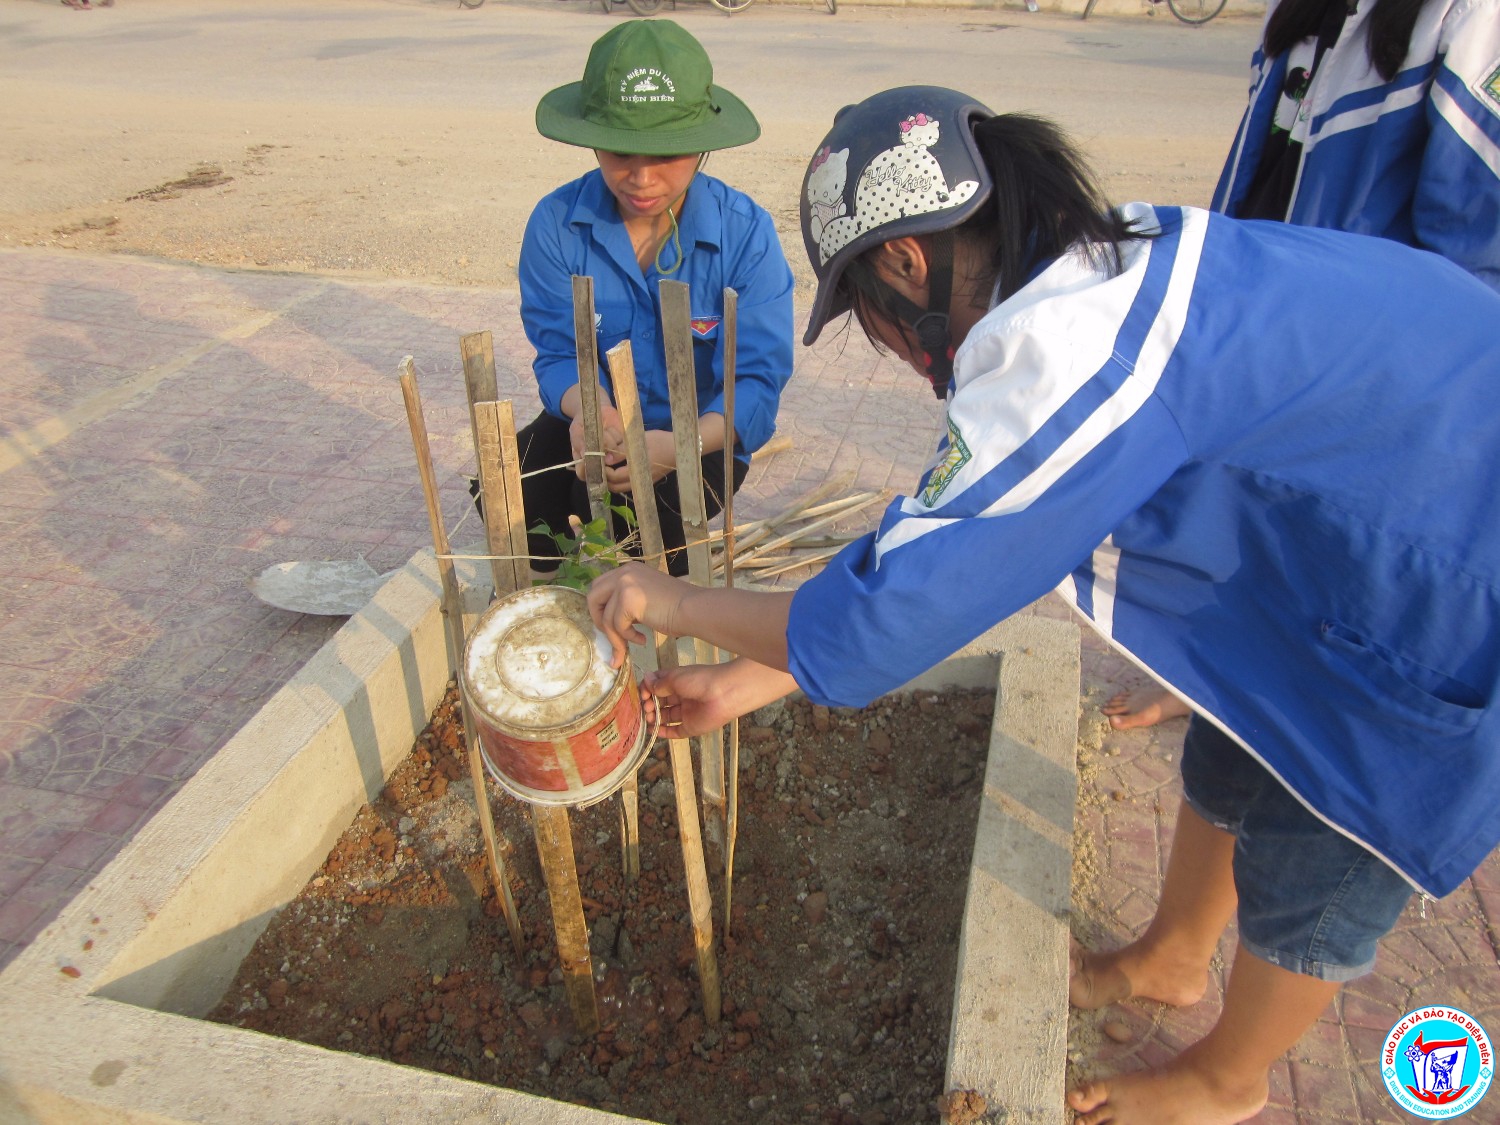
(588,549)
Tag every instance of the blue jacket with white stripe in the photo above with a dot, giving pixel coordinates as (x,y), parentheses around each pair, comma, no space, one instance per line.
(1288,442)
(1416,159)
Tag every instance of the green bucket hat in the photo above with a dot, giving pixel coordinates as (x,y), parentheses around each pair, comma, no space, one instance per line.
(647,91)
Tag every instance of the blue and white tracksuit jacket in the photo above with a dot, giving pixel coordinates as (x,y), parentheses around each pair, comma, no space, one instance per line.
(1416,160)
(1287,441)
(728,241)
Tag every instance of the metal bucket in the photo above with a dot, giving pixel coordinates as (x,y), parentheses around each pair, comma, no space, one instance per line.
(556,724)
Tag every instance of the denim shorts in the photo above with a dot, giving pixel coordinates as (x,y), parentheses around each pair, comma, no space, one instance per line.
(1311,900)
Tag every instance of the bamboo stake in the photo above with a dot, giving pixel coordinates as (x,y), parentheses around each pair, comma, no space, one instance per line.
(779,443)
(453,619)
(700,906)
(766,562)
(793,564)
(801,543)
(593,474)
(730,330)
(587,347)
(505,527)
(554,843)
(796,512)
(478,353)
(783,540)
(587,350)
(477,350)
(815,496)
(838,505)
(682,389)
(504,519)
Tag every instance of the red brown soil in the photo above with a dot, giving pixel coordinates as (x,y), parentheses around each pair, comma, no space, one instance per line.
(851,866)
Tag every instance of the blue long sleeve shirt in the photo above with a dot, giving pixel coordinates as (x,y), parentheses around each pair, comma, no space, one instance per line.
(727,241)
(1262,461)
(1416,159)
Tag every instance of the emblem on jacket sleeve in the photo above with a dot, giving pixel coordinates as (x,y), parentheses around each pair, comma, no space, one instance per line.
(953,460)
(1490,88)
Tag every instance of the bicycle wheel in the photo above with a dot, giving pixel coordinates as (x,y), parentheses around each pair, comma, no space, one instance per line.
(1196,11)
(470,3)
(833,7)
(645,7)
(731,6)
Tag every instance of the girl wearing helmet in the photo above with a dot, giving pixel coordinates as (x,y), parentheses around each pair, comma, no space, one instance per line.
(1218,440)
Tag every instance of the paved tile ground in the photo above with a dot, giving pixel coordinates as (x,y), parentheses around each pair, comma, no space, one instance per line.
(168,431)
(1442,952)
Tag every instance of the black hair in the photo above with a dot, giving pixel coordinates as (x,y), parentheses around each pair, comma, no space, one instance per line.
(1044,202)
(1388,32)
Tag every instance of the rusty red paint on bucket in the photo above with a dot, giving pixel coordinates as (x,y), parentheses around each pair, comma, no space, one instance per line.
(556,724)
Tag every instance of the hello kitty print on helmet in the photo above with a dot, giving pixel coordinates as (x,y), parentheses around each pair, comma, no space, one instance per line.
(902,162)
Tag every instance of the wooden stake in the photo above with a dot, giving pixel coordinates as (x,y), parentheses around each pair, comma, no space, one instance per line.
(730,331)
(791,537)
(587,348)
(700,906)
(630,828)
(500,489)
(779,443)
(797,563)
(815,496)
(798,511)
(682,388)
(477,350)
(554,843)
(593,474)
(505,527)
(453,620)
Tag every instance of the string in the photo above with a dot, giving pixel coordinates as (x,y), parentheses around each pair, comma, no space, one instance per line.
(674,236)
(675,241)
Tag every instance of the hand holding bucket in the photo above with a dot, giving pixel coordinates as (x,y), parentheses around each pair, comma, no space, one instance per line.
(632,595)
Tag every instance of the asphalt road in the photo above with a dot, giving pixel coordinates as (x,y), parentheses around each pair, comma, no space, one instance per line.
(394,138)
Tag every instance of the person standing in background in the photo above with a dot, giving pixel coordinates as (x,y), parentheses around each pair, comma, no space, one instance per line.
(1378,117)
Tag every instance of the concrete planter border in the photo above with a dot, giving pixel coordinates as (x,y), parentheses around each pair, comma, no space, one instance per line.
(102,1009)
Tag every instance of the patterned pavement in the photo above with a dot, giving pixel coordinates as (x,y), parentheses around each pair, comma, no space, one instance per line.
(169,431)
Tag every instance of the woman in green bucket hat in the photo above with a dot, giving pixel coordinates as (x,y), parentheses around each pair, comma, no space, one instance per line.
(648,108)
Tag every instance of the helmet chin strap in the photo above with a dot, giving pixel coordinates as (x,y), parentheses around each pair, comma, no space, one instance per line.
(931,324)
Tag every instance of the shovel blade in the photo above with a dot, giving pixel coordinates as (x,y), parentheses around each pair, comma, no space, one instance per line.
(329,589)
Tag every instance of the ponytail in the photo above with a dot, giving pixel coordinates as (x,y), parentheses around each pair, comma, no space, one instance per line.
(1388,32)
(1045,201)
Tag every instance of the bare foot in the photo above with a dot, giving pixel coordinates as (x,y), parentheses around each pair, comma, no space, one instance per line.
(1096,980)
(1181,1093)
(1144,707)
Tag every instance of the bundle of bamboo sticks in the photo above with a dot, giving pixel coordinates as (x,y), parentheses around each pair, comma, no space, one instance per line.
(800,536)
